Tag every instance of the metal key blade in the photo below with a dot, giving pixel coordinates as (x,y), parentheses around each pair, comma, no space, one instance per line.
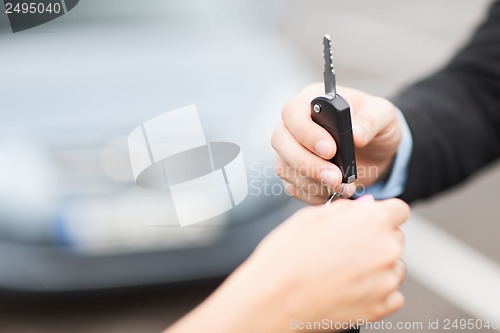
(329,74)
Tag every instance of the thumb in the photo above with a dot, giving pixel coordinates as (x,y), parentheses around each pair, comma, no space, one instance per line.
(374,117)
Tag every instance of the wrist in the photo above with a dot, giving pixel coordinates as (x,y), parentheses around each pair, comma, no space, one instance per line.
(392,183)
(256,302)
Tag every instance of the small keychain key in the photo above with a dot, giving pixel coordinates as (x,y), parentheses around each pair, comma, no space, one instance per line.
(334,195)
(332,112)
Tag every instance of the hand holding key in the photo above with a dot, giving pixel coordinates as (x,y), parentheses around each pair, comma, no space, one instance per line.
(304,148)
(339,263)
(314,142)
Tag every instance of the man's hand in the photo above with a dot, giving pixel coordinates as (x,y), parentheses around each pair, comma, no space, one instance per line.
(304,148)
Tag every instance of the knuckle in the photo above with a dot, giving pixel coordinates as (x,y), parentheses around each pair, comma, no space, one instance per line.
(382,103)
(385,105)
(291,190)
(377,311)
(406,210)
(394,251)
(401,303)
(275,137)
(280,167)
(368,124)
(278,170)
(382,215)
(400,235)
(401,207)
(294,193)
(285,111)
(301,135)
(304,164)
(391,283)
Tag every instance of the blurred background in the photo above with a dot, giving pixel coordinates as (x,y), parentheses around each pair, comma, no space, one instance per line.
(82,249)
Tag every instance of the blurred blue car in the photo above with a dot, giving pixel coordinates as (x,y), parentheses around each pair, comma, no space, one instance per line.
(71,216)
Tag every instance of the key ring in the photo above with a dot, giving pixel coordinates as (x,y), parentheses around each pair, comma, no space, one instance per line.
(334,195)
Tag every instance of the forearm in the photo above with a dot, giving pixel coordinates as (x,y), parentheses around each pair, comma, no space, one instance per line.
(454,115)
(241,304)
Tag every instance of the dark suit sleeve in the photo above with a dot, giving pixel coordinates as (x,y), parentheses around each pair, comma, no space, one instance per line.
(454,115)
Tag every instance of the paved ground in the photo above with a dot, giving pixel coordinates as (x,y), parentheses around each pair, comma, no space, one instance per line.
(379,46)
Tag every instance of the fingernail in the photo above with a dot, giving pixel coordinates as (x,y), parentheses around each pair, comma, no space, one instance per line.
(329,177)
(366,197)
(323,148)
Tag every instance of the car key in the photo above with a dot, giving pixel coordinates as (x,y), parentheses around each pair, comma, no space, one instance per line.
(332,112)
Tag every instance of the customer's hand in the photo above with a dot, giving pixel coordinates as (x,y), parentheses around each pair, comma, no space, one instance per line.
(338,263)
(304,148)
